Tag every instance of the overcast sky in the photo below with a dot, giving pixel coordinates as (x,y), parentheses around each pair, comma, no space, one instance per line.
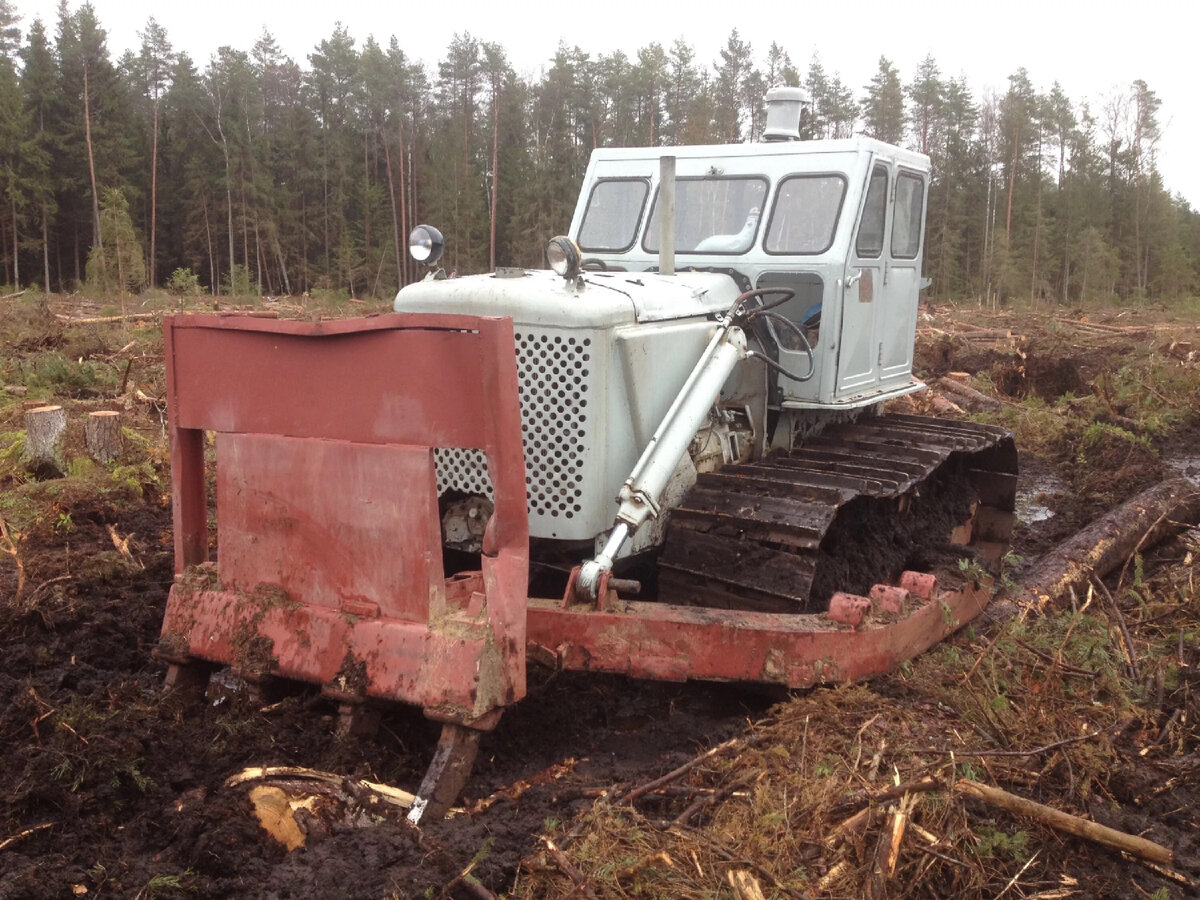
(1093,50)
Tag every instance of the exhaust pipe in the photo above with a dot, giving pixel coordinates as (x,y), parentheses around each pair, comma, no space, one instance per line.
(666,218)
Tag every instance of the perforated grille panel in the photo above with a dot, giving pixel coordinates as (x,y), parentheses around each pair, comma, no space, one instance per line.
(555,374)
(462,470)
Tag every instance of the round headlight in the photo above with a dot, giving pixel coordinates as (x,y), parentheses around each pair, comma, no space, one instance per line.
(426,244)
(562,255)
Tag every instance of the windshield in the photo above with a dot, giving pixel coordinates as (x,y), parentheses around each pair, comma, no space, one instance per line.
(712,215)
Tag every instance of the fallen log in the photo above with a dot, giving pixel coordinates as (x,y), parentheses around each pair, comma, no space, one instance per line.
(105,320)
(1112,540)
(944,407)
(965,395)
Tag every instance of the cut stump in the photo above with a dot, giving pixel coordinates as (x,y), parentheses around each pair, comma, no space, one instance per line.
(44,430)
(102,431)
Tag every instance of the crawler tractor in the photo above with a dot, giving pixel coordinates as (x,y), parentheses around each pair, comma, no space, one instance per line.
(666,456)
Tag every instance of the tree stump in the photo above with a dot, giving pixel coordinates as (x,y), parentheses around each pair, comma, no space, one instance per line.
(44,430)
(102,430)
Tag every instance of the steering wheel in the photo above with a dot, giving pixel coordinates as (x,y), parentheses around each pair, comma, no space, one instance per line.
(740,310)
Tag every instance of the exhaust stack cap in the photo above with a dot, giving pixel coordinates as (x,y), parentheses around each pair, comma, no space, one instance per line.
(784,108)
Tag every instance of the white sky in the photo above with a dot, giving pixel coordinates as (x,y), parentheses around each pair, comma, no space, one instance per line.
(1093,50)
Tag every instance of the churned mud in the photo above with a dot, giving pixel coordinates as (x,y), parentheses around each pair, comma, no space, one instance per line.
(109,788)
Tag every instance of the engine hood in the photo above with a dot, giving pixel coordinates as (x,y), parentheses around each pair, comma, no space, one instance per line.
(598,299)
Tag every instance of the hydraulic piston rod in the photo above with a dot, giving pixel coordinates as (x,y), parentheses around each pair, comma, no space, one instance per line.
(642,491)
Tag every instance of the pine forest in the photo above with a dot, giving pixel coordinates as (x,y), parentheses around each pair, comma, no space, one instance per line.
(252,173)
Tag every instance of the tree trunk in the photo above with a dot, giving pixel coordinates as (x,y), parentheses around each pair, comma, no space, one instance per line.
(46,247)
(16,260)
(287,285)
(212,267)
(387,160)
(154,198)
(495,172)
(87,135)
(44,429)
(1012,181)
(102,430)
(245,226)
(366,199)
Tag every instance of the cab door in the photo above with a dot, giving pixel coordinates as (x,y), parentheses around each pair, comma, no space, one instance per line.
(902,276)
(862,289)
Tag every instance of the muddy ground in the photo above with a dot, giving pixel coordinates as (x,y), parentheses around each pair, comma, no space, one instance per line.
(110,789)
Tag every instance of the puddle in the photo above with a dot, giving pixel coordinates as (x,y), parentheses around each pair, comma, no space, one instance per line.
(1187,466)
(1029,505)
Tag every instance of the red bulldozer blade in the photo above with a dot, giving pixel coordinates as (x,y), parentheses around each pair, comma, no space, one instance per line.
(329,567)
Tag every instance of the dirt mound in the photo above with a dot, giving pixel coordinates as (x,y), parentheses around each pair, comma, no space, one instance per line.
(1111,466)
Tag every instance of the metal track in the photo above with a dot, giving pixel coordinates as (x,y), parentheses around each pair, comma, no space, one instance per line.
(755,536)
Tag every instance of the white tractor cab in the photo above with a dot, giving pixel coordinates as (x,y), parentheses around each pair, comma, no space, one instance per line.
(709,305)
(840,223)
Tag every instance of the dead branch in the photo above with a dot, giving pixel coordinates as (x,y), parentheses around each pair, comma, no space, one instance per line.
(916,786)
(8,543)
(715,846)
(1130,652)
(745,886)
(1064,668)
(12,296)
(391,795)
(1012,881)
(1036,751)
(710,798)
(684,769)
(568,868)
(9,841)
(122,546)
(469,882)
(37,591)
(889,849)
(1056,818)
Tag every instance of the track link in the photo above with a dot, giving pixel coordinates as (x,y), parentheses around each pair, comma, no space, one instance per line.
(841,512)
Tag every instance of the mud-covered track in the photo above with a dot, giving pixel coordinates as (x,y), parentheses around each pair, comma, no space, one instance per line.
(754,536)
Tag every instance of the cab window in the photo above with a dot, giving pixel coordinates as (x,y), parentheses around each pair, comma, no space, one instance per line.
(906,225)
(612,216)
(869,243)
(805,214)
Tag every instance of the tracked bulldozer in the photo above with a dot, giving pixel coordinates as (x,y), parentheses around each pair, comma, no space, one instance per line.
(665,456)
